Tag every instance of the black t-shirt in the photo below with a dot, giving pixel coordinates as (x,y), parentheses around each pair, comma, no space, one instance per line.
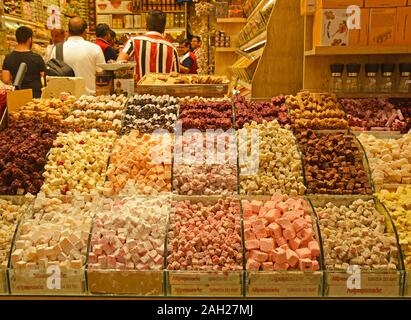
(188,62)
(35,65)
(110,54)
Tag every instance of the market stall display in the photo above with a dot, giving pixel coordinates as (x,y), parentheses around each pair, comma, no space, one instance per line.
(389,158)
(11,211)
(52,111)
(147,113)
(333,164)
(316,111)
(247,111)
(404,105)
(283,252)
(206,114)
(140,164)
(127,246)
(373,114)
(23,150)
(212,173)
(356,233)
(398,204)
(55,235)
(205,251)
(275,164)
(102,112)
(180,85)
(77,163)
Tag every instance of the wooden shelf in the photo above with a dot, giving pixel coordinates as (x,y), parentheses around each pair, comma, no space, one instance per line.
(225,49)
(257,9)
(245,84)
(231,20)
(369,50)
(258,38)
(20,20)
(166,11)
(133,30)
(364,95)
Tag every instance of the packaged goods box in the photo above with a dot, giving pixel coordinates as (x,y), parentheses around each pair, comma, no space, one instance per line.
(382,26)
(75,86)
(384,3)
(359,37)
(18,98)
(403,26)
(331,28)
(339,4)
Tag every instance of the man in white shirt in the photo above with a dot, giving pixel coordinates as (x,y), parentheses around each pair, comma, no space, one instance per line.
(81,55)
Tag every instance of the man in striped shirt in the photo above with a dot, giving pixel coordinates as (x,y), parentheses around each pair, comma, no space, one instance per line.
(151,51)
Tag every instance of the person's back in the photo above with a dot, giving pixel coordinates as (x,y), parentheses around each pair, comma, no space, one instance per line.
(35,64)
(103,38)
(81,55)
(57,36)
(151,52)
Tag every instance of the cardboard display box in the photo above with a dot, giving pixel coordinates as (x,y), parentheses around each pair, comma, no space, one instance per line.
(359,37)
(75,86)
(17,99)
(384,3)
(403,26)
(330,28)
(382,26)
(339,4)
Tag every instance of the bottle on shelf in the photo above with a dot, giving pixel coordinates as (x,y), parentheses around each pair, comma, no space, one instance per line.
(352,83)
(405,81)
(336,81)
(387,80)
(371,76)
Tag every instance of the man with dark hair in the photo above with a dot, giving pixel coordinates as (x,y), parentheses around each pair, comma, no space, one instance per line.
(81,55)
(151,51)
(114,43)
(103,37)
(188,61)
(197,50)
(195,43)
(22,53)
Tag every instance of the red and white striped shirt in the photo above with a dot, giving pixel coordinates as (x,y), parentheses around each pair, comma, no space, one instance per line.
(152,54)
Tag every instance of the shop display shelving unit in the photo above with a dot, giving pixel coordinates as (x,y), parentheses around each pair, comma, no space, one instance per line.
(317,61)
(279,67)
(224,57)
(141,30)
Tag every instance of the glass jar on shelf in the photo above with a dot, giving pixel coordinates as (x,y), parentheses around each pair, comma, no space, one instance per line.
(387,79)
(336,81)
(405,81)
(352,83)
(371,77)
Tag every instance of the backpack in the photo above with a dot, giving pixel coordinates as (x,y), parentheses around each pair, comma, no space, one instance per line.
(56,67)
